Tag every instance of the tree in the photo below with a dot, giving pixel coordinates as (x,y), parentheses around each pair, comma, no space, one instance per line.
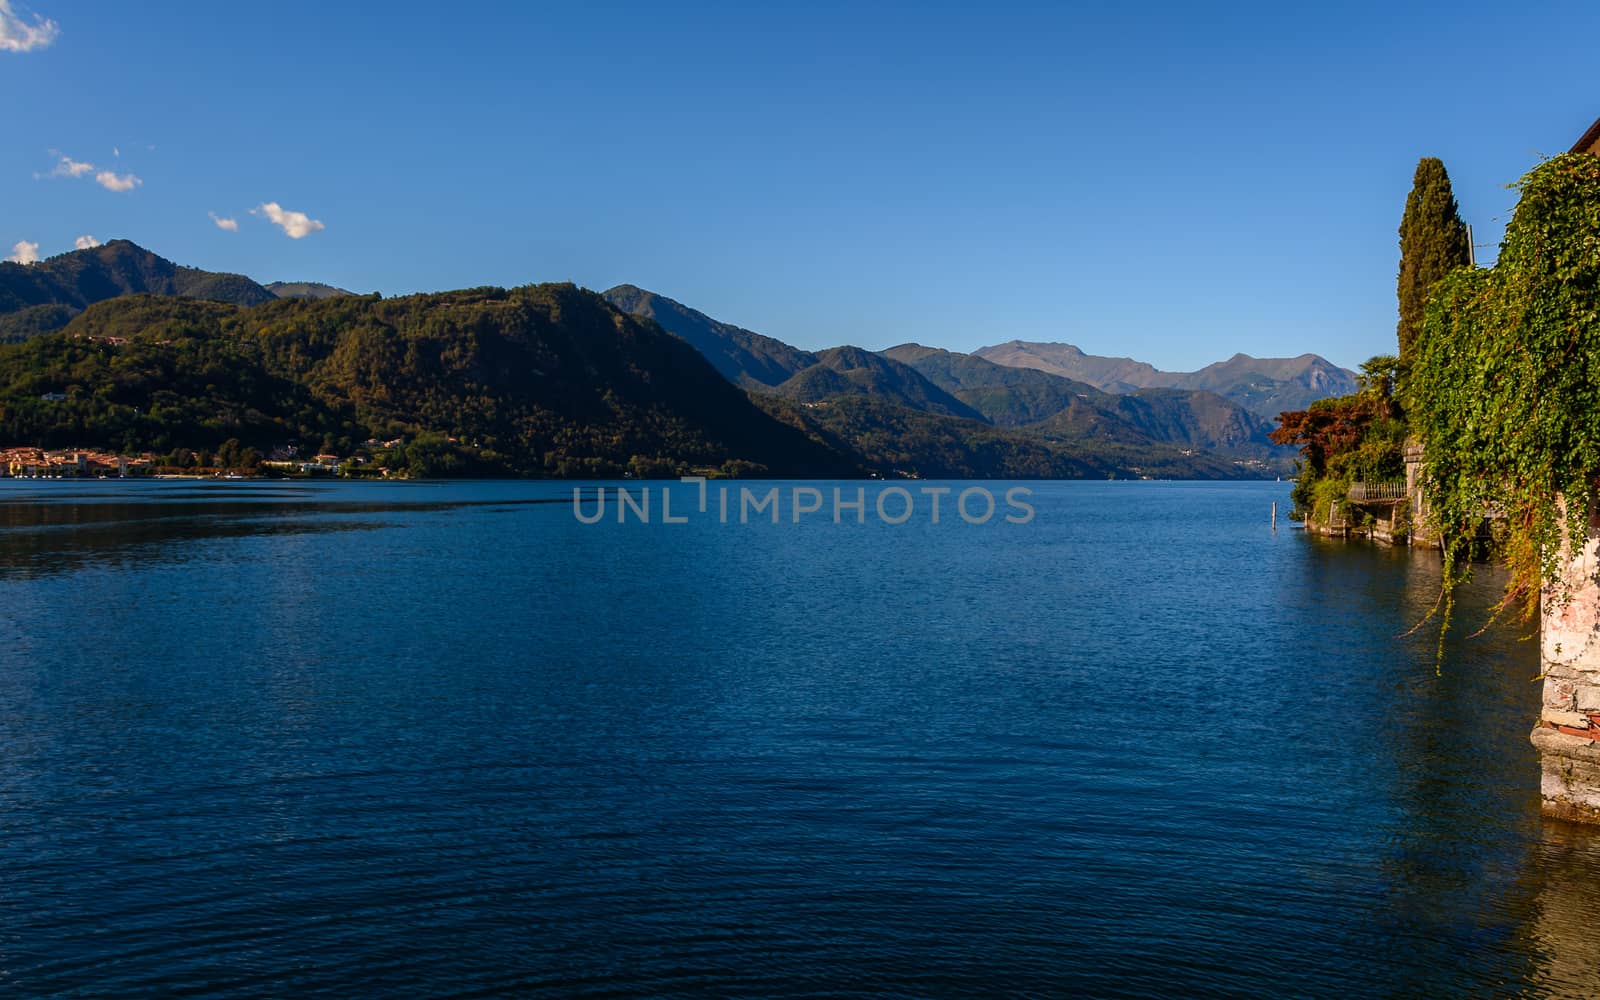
(1433,242)
(1347,438)
(1379,379)
(228,456)
(1502,391)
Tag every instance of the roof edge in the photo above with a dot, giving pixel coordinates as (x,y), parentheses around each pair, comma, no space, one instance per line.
(1588,140)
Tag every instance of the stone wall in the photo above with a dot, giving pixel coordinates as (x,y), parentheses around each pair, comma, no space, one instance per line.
(1422,533)
(1569,722)
(1386,521)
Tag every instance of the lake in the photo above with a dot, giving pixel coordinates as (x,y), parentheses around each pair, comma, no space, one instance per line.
(445,739)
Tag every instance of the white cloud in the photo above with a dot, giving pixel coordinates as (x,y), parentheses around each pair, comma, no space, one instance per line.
(23,252)
(108,179)
(85,243)
(67,167)
(296,225)
(116,182)
(17,35)
(230,224)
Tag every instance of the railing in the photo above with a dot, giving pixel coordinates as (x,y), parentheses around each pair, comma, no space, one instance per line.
(1395,490)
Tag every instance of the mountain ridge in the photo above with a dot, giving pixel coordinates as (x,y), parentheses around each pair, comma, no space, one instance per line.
(1065,410)
(744,357)
(855,370)
(1035,404)
(1266,386)
(545,380)
(909,410)
(45,295)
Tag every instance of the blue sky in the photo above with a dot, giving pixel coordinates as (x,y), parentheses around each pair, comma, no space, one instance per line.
(1170,182)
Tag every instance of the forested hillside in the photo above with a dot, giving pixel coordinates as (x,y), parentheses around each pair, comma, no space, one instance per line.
(541,380)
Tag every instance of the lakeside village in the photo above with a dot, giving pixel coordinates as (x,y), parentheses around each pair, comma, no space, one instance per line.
(372,459)
(230,461)
(233,462)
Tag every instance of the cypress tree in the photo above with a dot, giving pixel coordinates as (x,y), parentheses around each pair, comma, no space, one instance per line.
(1433,242)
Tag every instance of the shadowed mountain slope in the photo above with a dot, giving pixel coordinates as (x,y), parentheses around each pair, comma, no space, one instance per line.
(743,357)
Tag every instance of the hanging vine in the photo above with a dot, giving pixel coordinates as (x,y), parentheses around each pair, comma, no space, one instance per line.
(1504,389)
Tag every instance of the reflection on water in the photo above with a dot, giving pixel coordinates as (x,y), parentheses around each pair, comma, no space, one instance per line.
(44,530)
(1565,866)
(266,740)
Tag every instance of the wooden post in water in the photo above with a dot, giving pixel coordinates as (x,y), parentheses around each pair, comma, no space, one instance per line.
(1274,515)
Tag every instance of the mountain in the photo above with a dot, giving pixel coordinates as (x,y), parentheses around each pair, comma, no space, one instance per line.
(1061,409)
(1007,397)
(843,371)
(541,380)
(304,290)
(744,358)
(1267,386)
(765,364)
(1183,418)
(891,440)
(44,296)
(554,380)
(1104,433)
(1107,374)
(1196,418)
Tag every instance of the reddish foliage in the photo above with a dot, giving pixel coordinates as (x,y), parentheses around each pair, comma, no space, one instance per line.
(1329,427)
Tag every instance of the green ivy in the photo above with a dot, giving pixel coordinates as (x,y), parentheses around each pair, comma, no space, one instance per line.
(1504,389)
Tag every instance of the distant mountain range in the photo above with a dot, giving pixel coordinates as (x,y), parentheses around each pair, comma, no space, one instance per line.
(37,298)
(1267,386)
(538,381)
(1195,430)
(1061,408)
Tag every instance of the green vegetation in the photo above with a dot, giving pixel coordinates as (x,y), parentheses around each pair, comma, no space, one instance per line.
(1177,433)
(35,298)
(1147,428)
(1499,381)
(1433,242)
(543,380)
(1002,395)
(844,371)
(1361,436)
(893,440)
(34,320)
(208,371)
(1504,390)
(176,382)
(1355,438)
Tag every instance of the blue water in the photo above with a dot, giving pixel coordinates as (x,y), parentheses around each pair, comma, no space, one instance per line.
(272,740)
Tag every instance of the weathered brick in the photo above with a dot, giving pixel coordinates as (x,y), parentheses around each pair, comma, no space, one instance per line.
(1562,694)
(1586,697)
(1571,720)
